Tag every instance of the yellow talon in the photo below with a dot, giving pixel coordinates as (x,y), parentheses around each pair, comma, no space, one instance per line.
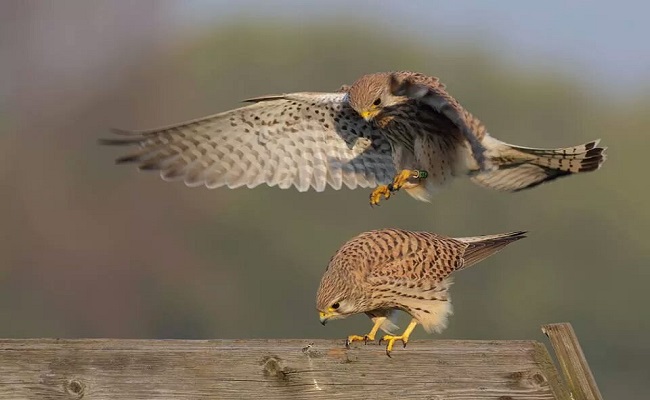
(370,336)
(404,175)
(357,338)
(375,196)
(404,337)
(391,341)
(399,181)
(402,178)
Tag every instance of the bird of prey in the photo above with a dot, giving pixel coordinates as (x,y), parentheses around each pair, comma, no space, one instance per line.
(387,131)
(380,272)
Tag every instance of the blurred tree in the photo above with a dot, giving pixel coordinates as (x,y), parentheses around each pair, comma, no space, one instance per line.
(89,249)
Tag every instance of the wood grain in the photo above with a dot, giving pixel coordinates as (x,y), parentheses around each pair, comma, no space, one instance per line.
(274,369)
(572,361)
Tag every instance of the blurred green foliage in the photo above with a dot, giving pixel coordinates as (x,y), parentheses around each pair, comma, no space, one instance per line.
(95,250)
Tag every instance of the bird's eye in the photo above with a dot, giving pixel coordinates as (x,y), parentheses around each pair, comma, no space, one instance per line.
(377,102)
(336,306)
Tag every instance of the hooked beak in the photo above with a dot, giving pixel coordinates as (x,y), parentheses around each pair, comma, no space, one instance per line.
(324,317)
(368,115)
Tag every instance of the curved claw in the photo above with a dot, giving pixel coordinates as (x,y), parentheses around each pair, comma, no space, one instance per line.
(388,347)
(381,190)
(391,341)
(407,176)
(357,338)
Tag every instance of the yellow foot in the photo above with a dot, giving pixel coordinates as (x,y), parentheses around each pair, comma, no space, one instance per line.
(370,336)
(357,338)
(404,337)
(375,196)
(391,341)
(399,181)
(403,177)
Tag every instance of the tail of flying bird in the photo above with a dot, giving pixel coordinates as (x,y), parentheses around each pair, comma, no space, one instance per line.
(518,168)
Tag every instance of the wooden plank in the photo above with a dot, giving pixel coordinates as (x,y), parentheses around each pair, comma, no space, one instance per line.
(572,361)
(273,369)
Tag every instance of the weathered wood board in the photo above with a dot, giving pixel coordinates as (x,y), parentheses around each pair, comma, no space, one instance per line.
(274,369)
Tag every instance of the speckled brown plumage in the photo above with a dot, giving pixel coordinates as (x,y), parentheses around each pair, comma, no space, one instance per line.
(360,136)
(381,271)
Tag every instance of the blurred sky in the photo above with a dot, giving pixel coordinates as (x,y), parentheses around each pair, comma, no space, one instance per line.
(598,43)
(591,39)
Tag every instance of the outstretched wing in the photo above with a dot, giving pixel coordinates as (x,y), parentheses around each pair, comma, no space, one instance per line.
(300,139)
(430,91)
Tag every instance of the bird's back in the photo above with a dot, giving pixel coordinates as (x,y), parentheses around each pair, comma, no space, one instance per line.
(421,255)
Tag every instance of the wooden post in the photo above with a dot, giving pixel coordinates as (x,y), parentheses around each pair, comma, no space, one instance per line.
(274,369)
(572,361)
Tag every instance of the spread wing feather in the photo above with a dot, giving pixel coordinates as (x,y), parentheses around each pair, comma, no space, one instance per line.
(430,91)
(306,140)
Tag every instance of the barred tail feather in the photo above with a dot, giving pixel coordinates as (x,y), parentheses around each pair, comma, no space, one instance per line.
(521,168)
(481,247)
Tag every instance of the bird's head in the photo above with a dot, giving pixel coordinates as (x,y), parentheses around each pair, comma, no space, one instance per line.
(371,94)
(336,296)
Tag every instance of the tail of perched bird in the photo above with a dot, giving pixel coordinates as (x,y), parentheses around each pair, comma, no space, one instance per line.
(518,168)
(481,247)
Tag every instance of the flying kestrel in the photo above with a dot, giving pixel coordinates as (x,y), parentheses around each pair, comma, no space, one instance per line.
(380,272)
(386,131)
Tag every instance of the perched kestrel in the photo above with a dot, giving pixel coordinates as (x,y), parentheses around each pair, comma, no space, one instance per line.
(387,130)
(380,272)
